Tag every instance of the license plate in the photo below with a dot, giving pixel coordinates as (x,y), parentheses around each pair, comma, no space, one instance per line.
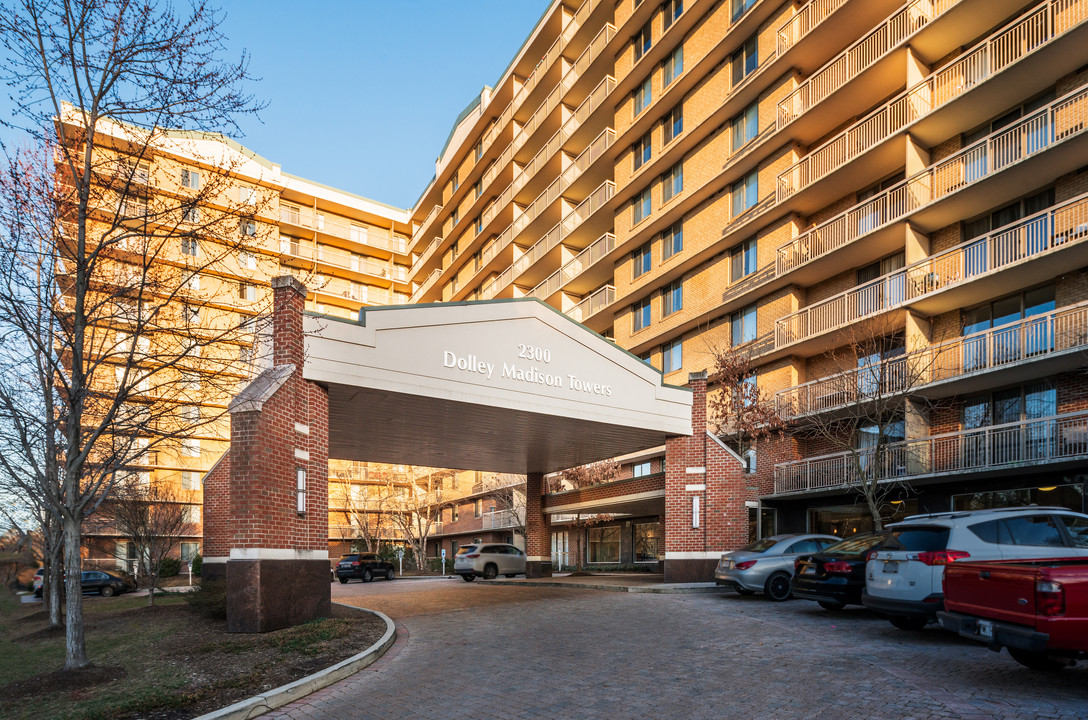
(891,566)
(985,629)
(810,570)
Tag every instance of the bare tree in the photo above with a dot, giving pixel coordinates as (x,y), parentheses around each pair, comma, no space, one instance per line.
(362,509)
(861,412)
(738,409)
(416,509)
(101,288)
(577,478)
(153,517)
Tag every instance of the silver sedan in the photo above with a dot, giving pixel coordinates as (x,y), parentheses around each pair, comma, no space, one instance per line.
(767,564)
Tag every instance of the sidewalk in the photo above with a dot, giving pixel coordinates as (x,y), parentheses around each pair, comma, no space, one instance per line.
(614,582)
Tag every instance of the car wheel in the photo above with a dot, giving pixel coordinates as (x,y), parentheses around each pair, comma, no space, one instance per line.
(778,587)
(367,576)
(1038,660)
(510,575)
(744,591)
(908,623)
(831,604)
(468,577)
(107,591)
(389,574)
(490,572)
(343,581)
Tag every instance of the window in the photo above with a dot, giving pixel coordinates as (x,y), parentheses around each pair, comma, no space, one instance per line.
(743,260)
(453,514)
(643,96)
(455,181)
(1022,337)
(478,224)
(190,179)
(194,282)
(189,246)
(672,182)
(670,13)
(672,241)
(745,60)
(478,151)
(247,195)
(741,6)
(477,508)
(477,189)
(745,193)
(247,261)
(673,66)
(190,215)
(603,545)
(672,356)
(248,228)
(745,126)
(190,480)
(190,447)
(192,313)
(673,124)
(641,313)
(641,469)
(247,291)
(191,514)
(673,297)
(189,550)
(642,151)
(642,260)
(647,542)
(642,41)
(641,207)
(743,324)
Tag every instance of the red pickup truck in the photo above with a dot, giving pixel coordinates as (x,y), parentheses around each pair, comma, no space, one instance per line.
(1038,609)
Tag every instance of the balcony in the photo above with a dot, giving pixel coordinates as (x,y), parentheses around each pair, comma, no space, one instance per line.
(499,519)
(1061,228)
(425,226)
(427,284)
(344,260)
(1026,445)
(1062,332)
(576,266)
(590,306)
(802,23)
(363,235)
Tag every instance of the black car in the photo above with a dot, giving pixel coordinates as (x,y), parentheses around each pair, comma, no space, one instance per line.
(106,583)
(835,577)
(364,566)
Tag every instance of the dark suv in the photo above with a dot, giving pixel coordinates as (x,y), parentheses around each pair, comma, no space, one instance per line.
(364,566)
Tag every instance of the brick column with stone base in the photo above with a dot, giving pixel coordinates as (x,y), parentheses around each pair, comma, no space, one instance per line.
(538,529)
(274,523)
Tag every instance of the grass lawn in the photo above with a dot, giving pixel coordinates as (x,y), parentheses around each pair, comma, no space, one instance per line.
(166,661)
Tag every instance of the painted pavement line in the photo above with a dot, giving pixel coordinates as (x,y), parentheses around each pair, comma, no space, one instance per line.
(284,694)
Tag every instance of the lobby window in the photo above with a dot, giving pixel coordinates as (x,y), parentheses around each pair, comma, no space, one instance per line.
(190,246)
(673,297)
(190,179)
(647,542)
(743,260)
(673,66)
(641,469)
(641,207)
(672,356)
(672,182)
(642,151)
(745,126)
(745,193)
(741,6)
(672,241)
(643,96)
(745,60)
(670,13)
(743,324)
(672,125)
(642,258)
(642,41)
(640,312)
(603,545)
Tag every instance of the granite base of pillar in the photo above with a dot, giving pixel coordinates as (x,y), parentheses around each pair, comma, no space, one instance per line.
(686,571)
(264,595)
(212,573)
(538,569)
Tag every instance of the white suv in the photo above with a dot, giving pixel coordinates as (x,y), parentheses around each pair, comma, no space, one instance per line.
(903,577)
(488,560)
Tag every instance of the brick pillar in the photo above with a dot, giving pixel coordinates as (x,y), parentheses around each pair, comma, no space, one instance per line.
(704,497)
(277,570)
(538,529)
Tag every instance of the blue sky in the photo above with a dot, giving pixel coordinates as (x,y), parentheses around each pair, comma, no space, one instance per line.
(361,95)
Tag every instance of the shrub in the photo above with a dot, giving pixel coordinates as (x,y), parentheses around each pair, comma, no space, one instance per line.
(209,600)
(169,567)
(198,562)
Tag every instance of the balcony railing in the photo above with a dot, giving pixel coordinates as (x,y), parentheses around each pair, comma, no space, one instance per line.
(1026,444)
(1022,37)
(500,519)
(808,17)
(1033,338)
(1027,239)
(576,266)
(425,226)
(598,300)
(426,285)
(307,218)
(345,260)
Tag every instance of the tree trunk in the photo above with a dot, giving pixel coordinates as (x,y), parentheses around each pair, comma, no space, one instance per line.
(52,597)
(75,646)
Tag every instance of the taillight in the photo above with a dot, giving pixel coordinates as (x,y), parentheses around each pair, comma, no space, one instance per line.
(797,566)
(1049,598)
(745,565)
(942,557)
(870,556)
(355,564)
(473,556)
(837,566)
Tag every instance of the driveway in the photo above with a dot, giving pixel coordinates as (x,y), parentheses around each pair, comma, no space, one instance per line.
(485,650)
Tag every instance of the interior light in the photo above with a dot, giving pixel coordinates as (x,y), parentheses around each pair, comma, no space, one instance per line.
(1048,489)
(897,502)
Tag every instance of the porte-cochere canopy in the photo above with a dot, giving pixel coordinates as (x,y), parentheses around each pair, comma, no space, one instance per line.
(502,386)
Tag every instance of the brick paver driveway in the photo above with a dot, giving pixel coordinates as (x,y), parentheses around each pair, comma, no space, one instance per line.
(483,650)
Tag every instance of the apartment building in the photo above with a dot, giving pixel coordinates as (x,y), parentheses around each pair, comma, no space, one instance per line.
(867,198)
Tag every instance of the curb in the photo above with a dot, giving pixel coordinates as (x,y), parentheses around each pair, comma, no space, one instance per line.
(284,694)
(679,589)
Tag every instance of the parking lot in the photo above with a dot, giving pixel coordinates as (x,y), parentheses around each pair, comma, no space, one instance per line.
(494,650)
